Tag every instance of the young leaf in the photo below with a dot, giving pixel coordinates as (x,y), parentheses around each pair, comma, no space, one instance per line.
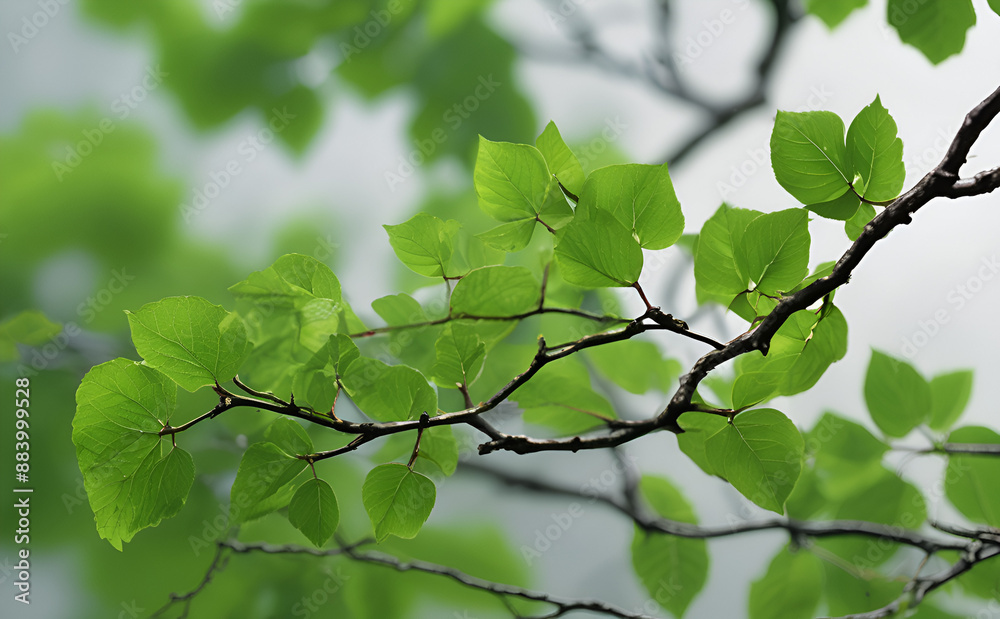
(673,569)
(512,180)
(854,226)
(424,243)
(717,269)
(314,511)
(598,252)
(760,454)
(949,394)
(398,500)
(641,197)
(832,12)
(190,340)
(970,480)
(292,281)
(121,407)
(264,470)
(898,397)
(875,153)
(477,293)
(698,428)
(935,27)
(388,393)
(460,355)
(776,250)
(560,159)
(790,589)
(809,155)
(511,236)
(315,381)
(842,208)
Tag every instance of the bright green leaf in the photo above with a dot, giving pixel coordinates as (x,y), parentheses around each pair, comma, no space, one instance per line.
(809,155)
(854,226)
(512,180)
(190,340)
(560,159)
(560,397)
(388,393)
(496,291)
(875,153)
(313,510)
(398,500)
(935,27)
(790,589)
(970,480)
(898,397)
(460,354)
(760,454)
(598,252)
(121,407)
(315,382)
(264,470)
(289,435)
(832,12)
(511,236)
(292,281)
(776,247)
(950,393)
(842,208)
(399,309)
(698,428)
(641,197)
(424,243)
(718,264)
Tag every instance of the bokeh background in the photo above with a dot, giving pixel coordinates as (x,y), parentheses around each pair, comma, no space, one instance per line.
(161,148)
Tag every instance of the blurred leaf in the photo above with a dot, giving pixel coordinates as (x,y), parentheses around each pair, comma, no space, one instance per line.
(29,327)
(833,12)
(898,397)
(969,479)
(950,394)
(790,589)
(935,27)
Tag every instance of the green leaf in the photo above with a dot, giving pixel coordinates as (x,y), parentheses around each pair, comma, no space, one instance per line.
(641,197)
(399,309)
(809,155)
(854,226)
(719,266)
(846,455)
(460,355)
(315,382)
(898,397)
(776,247)
(511,236)
(634,365)
(496,291)
(292,281)
(121,407)
(512,180)
(842,208)
(935,27)
(875,153)
(398,500)
(388,393)
(995,5)
(949,395)
(832,12)
(790,589)
(289,435)
(265,469)
(424,243)
(560,397)
(760,454)
(970,480)
(190,340)
(29,327)
(314,511)
(673,569)
(598,252)
(560,159)
(438,445)
(698,428)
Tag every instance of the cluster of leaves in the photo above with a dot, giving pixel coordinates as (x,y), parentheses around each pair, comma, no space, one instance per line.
(564,238)
(935,27)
